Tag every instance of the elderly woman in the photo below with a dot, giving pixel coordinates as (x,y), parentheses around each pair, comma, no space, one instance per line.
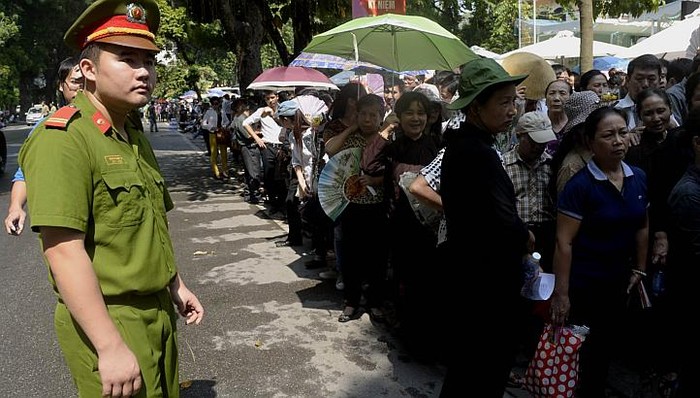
(594,80)
(363,224)
(483,230)
(413,245)
(557,93)
(601,246)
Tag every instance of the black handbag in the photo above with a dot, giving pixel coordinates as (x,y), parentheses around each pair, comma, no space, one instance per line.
(223,136)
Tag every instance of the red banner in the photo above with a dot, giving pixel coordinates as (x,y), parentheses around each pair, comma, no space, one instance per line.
(372,8)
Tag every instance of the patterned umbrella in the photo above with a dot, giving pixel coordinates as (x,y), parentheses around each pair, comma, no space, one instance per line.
(326,61)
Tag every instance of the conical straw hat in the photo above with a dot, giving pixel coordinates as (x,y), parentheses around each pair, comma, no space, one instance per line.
(539,72)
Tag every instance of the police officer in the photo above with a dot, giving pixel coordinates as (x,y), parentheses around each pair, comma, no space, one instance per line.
(98,199)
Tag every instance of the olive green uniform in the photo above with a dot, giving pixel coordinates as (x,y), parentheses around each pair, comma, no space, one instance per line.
(82,175)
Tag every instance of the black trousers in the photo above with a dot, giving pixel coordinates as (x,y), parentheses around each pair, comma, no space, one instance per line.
(293,215)
(364,251)
(275,188)
(252,163)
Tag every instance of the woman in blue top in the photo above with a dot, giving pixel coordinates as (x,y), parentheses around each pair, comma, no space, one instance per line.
(70,80)
(601,245)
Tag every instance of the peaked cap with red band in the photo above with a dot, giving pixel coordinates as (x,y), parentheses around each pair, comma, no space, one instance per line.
(128,23)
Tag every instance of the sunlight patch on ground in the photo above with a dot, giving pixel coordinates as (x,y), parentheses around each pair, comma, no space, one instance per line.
(350,359)
(212,207)
(234,221)
(237,236)
(257,270)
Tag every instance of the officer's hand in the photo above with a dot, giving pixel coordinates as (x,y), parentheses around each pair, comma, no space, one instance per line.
(119,372)
(187,303)
(14,222)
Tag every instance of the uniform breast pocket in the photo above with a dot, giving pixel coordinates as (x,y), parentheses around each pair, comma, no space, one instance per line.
(122,201)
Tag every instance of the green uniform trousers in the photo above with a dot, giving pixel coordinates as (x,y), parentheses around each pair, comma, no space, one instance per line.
(148,326)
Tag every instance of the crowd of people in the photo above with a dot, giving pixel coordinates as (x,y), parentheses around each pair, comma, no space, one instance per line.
(476,169)
(580,173)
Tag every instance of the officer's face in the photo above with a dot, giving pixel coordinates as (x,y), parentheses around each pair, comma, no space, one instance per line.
(123,77)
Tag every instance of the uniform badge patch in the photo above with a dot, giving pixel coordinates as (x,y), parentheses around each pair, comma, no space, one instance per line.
(114,160)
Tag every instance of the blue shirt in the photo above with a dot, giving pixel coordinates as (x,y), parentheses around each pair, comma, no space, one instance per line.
(19,175)
(606,241)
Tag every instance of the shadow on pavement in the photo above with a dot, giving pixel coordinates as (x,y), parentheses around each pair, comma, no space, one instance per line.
(198,389)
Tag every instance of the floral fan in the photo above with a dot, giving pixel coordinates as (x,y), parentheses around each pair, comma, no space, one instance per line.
(339,181)
(312,107)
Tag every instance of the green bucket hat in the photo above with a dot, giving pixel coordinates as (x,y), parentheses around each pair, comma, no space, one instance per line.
(478,75)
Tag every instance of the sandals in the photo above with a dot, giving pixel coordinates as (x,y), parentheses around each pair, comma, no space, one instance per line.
(515,380)
(349,313)
(668,385)
(376,315)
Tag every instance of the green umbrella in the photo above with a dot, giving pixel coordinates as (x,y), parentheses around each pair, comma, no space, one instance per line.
(397,42)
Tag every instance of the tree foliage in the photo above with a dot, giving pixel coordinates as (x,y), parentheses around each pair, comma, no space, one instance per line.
(615,8)
(8,27)
(589,10)
(29,57)
(229,42)
(503,36)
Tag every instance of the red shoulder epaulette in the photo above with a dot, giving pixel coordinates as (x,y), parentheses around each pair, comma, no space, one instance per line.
(61,117)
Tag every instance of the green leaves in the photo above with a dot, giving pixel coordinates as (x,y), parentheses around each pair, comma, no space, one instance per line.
(615,8)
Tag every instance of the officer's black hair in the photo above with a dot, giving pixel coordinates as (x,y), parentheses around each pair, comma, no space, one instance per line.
(92,52)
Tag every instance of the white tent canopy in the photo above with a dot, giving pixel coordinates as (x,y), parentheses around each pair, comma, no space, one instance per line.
(565,45)
(670,42)
(616,30)
(484,52)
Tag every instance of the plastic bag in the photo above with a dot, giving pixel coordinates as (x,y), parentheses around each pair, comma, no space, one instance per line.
(553,371)
(427,215)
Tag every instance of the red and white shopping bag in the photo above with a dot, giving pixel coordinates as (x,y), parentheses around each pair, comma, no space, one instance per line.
(553,371)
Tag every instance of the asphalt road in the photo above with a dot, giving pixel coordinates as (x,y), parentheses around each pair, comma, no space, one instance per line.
(271,325)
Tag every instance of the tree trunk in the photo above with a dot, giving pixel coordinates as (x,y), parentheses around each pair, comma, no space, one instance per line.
(270,27)
(249,31)
(301,22)
(586,21)
(25,92)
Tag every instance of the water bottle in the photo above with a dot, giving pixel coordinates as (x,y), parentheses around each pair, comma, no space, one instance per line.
(658,283)
(532,265)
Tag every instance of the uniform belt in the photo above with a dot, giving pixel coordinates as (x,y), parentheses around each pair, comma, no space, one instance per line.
(539,224)
(161,297)
(273,145)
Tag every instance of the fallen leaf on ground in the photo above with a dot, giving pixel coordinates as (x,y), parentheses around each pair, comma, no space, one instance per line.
(186,384)
(200,253)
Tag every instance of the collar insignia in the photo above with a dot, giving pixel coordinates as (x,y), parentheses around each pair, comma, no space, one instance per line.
(135,13)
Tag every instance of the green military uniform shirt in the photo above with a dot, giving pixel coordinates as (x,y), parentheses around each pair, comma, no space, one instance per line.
(82,175)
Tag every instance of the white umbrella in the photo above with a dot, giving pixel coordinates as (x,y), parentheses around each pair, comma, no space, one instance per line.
(671,42)
(565,45)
